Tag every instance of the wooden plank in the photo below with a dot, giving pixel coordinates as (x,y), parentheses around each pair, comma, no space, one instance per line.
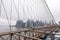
(28,37)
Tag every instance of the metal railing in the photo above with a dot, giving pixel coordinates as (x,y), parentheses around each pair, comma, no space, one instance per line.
(19,35)
(27,34)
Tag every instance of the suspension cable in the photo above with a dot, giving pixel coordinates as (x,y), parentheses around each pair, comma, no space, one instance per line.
(16,9)
(23,9)
(10,13)
(35,13)
(27,9)
(0,7)
(31,9)
(49,10)
(5,13)
(50,13)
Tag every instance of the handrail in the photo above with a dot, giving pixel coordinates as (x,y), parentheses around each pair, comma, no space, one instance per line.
(35,32)
(27,36)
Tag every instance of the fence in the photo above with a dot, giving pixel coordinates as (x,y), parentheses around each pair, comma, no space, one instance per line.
(27,34)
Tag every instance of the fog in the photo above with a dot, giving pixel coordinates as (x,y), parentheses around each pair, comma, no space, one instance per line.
(27,9)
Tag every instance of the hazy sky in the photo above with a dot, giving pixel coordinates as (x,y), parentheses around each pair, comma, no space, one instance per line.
(28,9)
(54,6)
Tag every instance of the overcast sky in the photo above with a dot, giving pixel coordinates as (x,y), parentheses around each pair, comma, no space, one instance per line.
(54,6)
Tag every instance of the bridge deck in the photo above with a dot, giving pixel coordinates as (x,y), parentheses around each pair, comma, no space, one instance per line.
(28,33)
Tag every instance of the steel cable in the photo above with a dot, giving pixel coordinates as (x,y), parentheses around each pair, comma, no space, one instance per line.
(16,9)
(23,9)
(50,11)
(0,7)
(6,13)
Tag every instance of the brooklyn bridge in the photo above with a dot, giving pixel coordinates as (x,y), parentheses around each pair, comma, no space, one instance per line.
(32,20)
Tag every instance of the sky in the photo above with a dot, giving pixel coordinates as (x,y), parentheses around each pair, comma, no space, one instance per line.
(53,6)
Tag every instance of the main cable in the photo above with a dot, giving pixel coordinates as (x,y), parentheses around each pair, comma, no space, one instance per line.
(49,10)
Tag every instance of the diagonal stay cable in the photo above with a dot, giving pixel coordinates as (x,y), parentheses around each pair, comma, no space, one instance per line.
(49,10)
(23,9)
(30,8)
(33,10)
(27,6)
(16,9)
(6,13)
(30,2)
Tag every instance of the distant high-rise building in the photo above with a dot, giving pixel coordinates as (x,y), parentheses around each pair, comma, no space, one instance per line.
(29,23)
(20,23)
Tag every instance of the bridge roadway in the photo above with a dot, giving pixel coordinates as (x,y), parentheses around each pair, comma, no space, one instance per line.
(29,33)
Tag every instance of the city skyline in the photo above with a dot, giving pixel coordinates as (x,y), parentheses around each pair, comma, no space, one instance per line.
(55,14)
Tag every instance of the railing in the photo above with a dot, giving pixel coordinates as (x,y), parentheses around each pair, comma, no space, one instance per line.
(27,34)
(18,35)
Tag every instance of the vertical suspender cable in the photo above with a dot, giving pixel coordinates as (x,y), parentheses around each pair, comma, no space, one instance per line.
(6,13)
(49,11)
(10,14)
(18,10)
